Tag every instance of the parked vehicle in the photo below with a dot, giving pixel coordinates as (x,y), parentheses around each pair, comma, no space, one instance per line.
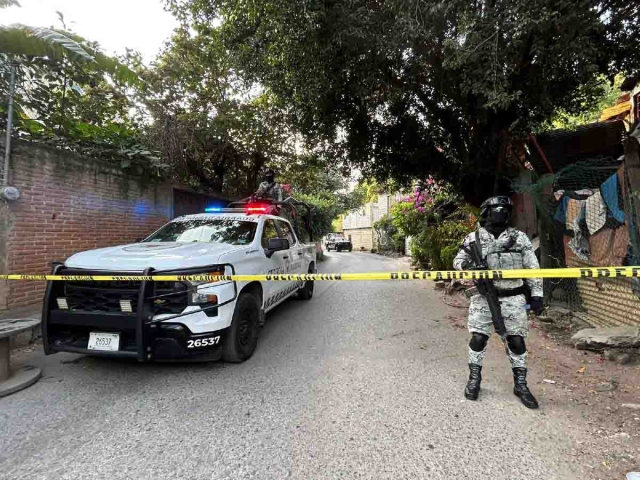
(341,243)
(150,320)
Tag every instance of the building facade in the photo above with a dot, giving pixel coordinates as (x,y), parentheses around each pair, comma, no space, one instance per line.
(357,225)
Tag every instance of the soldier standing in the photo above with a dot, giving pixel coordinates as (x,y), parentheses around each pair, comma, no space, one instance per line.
(269,188)
(502,248)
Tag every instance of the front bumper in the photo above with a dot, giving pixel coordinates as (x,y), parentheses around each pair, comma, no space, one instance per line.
(144,335)
(69,332)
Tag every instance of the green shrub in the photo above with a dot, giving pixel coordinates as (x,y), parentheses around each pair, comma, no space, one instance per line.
(447,254)
(389,238)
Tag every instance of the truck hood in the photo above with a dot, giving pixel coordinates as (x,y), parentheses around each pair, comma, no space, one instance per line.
(160,256)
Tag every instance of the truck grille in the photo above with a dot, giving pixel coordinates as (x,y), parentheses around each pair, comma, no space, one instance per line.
(106,296)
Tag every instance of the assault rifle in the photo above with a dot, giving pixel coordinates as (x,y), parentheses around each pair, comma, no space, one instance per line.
(486,286)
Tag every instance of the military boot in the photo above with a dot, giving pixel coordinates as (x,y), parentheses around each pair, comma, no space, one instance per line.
(473,385)
(521,390)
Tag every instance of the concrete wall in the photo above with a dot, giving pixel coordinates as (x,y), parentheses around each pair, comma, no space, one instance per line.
(361,237)
(69,204)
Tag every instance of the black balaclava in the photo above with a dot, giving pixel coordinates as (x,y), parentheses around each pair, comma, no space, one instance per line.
(497,220)
(270,175)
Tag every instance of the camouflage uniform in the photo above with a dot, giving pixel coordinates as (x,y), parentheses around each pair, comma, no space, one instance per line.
(270,190)
(511,250)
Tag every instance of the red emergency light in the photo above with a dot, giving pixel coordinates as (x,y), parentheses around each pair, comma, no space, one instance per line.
(257,208)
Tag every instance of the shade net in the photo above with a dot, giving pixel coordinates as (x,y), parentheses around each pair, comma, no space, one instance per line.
(586,217)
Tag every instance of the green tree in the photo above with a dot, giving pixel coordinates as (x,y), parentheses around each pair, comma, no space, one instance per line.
(213,131)
(404,88)
(69,94)
(591,112)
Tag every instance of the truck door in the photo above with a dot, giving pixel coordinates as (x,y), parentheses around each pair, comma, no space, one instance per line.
(296,261)
(276,264)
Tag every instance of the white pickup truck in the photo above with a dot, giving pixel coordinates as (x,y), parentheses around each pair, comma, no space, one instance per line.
(178,320)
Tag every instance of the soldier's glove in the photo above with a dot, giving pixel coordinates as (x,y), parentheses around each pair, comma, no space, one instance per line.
(536,305)
(472,266)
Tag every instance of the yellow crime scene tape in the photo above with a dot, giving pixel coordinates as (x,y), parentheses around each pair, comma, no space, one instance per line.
(595,272)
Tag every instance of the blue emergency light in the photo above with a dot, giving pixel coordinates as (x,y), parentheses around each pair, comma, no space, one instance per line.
(213,209)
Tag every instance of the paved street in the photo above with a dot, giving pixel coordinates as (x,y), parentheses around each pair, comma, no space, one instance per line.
(365,381)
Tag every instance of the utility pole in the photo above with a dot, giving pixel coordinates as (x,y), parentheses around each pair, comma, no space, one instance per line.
(7,143)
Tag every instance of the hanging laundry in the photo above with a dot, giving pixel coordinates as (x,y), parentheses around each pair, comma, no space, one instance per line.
(575,212)
(609,190)
(595,212)
(579,244)
(561,211)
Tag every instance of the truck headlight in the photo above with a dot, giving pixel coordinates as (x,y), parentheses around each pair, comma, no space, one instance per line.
(199,298)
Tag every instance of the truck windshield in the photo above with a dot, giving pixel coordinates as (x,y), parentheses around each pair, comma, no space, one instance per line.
(218,230)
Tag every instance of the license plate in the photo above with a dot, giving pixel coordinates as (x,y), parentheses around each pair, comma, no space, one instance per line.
(104,341)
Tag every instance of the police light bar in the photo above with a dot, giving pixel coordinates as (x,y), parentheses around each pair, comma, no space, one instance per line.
(223,210)
(249,209)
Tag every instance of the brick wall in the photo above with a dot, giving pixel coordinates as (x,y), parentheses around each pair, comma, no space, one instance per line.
(606,302)
(69,204)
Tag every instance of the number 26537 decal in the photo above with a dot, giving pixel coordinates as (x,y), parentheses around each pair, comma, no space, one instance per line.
(203,342)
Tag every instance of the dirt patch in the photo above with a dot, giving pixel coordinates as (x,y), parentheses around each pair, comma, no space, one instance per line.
(597,393)
(599,399)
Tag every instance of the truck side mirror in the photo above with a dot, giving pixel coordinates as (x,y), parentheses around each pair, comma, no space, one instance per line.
(276,245)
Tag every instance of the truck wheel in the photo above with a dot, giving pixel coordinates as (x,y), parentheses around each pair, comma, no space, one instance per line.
(306,291)
(350,248)
(243,334)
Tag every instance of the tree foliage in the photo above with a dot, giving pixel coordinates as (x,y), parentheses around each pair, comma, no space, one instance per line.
(317,181)
(214,133)
(27,41)
(590,112)
(71,95)
(437,220)
(403,88)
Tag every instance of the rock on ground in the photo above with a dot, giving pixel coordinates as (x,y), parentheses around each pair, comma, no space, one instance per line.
(599,339)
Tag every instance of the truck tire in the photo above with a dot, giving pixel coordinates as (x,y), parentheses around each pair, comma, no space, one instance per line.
(350,247)
(306,291)
(243,334)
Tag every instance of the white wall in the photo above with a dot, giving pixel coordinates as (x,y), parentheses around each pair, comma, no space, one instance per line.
(366,216)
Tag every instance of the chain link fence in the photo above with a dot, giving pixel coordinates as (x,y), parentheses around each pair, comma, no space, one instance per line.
(587,217)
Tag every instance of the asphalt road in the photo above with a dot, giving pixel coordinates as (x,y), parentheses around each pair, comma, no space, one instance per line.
(363,382)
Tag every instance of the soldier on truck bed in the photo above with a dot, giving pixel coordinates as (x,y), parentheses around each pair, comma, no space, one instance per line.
(269,188)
